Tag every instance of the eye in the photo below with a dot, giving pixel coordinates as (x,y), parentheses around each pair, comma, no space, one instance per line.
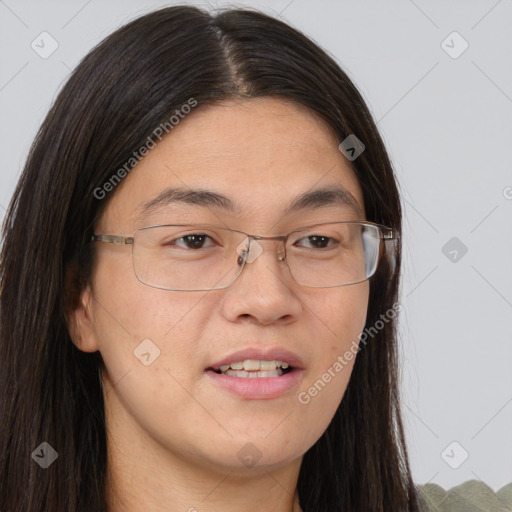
(193,241)
(316,242)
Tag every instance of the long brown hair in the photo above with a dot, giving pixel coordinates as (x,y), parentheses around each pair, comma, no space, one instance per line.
(123,89)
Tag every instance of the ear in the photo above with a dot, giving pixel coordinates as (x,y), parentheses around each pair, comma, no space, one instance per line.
(79,312)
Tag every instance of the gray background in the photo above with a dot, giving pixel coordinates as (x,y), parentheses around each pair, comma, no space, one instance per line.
(448,126)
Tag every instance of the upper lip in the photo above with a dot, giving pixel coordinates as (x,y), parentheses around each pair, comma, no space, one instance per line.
(273,354)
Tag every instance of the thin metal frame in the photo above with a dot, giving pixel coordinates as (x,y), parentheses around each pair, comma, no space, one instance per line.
(386,232)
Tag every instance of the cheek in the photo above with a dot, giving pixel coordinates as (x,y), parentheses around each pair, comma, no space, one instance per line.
(339,315)
(137,326)
(149,340)
(340,318)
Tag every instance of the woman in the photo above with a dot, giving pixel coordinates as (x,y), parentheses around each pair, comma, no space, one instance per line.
(199,283)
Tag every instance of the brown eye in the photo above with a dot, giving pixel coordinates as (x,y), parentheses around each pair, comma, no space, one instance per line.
(316,242)
(193,241)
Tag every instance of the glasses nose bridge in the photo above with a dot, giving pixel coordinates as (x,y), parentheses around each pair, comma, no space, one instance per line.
(277,237)
(255,250)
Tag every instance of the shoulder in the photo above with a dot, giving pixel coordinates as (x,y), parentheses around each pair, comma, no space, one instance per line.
(470,496)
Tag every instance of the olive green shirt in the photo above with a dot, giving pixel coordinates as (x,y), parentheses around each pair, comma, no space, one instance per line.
(471,496)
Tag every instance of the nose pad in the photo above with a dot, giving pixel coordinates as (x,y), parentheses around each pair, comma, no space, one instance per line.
(249,250)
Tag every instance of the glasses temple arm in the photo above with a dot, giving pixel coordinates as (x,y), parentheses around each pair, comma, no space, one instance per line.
(113,239)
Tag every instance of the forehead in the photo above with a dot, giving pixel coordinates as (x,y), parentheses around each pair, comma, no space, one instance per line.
(259,153)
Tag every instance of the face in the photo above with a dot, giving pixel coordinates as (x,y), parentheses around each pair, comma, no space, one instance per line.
(161,347)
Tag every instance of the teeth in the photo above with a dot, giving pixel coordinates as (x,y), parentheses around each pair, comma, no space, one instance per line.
(267,365)
(254,374)
(253,365)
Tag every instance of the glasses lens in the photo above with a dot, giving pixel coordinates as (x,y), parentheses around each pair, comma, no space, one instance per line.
(187,257)
(335,254)
(198,257)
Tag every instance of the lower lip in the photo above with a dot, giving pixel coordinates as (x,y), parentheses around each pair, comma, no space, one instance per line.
(259,388)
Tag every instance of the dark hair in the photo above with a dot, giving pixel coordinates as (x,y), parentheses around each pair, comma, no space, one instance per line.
(125,88)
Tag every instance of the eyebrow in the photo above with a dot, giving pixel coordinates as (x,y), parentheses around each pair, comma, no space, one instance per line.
(334,195)
(204,198)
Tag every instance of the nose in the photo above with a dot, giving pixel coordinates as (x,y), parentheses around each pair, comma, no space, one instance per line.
(265,292)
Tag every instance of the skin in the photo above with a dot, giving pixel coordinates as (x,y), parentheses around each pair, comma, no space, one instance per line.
(173,437)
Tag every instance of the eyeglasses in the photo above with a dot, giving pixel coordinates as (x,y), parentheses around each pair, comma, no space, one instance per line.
(201,257)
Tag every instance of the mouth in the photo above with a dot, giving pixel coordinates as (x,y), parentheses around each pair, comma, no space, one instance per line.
(254,369)
(257,374)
